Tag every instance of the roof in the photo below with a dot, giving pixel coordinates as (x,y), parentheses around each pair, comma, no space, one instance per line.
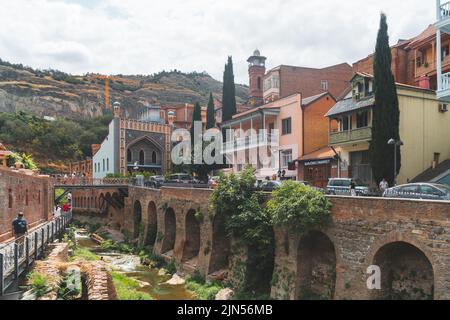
(321,154)
(431,173)
(312,99)
(428,33)
(349,105)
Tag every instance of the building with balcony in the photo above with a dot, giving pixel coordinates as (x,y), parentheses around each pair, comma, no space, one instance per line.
(274,136)
(424,130)
(442,56)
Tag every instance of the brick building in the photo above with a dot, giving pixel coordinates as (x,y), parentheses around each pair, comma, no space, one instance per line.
(23,191)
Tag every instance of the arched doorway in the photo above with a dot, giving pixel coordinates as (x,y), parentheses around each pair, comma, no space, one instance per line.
(169,231)
(137,219)
(152,227)
(220,250)
(316,267)
(192,241)
(141,158)
(406,273)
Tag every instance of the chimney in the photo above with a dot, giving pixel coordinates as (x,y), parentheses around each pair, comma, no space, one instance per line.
(424,82)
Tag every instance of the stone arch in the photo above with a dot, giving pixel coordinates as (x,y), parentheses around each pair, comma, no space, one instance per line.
(221,244)
(316,267)
(170,229)
(406,272)
(192,237)
(152,227)
(137,218)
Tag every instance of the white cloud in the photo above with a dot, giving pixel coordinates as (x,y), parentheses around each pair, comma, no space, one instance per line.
(143,37)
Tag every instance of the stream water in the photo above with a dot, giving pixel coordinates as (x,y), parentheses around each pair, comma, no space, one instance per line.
(151,282)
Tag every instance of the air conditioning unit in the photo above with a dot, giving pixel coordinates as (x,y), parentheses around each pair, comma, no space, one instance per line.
(443,107)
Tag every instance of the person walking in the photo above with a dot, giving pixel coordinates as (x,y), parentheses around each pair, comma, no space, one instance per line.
(353,188)
(20,230)
(57,212)
(384,185)
(66,207)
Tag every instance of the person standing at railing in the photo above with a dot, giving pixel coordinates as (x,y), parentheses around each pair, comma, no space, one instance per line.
(20,230)
(384,185)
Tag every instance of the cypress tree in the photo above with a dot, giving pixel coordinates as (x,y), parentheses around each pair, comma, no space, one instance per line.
(386,112)
(229,92)
(210,114)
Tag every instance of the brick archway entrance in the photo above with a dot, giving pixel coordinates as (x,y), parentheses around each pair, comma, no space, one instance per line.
(169,231)
(192,242)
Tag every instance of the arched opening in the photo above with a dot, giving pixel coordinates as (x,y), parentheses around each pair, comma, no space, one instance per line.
(406,273)
(128,155)
(259,83)
(153,157)
(316,267)
(169,231)
(220,250)
(192,241)
(152,228)
(137,219)
(141,158)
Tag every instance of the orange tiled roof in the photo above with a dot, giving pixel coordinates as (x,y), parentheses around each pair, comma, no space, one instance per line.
(324,153)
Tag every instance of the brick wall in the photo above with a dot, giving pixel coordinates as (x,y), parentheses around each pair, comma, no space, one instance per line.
(21,192)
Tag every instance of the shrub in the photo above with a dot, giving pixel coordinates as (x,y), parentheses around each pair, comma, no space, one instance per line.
(127,288)
(205,291)
(84,254)
(171,267)
(39,283)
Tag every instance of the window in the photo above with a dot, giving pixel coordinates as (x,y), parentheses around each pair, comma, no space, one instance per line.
(362,119)
(259,83)
(286,157)
(286,126)
(107,164)
(103,164)
(129,155)
(153,157)
(429,190)
(141,158)
(445,51)
(346,123)
(10,199)
(324,85)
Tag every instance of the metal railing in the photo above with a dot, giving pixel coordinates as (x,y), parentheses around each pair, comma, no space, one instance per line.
(445,84)
(85,181)
(17,255)
(445,10)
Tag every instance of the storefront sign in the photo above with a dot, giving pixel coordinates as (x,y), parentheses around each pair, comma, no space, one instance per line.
(316,163)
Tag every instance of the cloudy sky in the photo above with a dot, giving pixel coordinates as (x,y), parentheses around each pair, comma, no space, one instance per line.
(143,36)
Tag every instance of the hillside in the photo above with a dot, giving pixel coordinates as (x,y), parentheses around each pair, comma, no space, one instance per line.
(55,93)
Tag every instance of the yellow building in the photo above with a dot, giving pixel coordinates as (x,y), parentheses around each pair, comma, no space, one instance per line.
(424,130)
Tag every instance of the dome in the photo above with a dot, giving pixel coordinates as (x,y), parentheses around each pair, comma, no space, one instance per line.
(171,113)
(256,53)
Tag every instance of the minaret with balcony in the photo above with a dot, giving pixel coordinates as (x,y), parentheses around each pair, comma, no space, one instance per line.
(442,25)
(256,72)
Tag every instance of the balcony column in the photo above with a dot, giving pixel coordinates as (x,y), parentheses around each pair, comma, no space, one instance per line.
(438,59)
(438,10)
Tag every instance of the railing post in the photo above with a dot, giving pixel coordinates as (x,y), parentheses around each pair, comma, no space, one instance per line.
(27,251)
(16,261)
(53,231)
(36,253)
(48,234)
(43,241)
(2,281)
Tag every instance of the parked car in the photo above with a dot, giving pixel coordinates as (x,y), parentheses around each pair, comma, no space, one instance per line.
(341,186)
(180,178)
(268,185)
(155,182)
(428,191)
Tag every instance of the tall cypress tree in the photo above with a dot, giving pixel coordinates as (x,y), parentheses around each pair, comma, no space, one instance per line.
(229,92)
(210,113)
(386,112)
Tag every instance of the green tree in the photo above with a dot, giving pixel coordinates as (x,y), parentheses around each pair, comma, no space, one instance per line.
(229,92)
(210,113)
(386,113)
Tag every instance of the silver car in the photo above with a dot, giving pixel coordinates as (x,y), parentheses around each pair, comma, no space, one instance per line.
(427,191)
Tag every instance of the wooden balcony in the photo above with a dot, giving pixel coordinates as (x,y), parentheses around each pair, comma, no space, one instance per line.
(350,136)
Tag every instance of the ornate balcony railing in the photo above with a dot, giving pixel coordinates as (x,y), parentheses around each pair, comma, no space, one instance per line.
(444,11)
(249,142)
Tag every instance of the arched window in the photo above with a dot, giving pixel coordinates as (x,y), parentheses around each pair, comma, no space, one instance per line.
(141,158)
(129,155)
(259,83)
(107,164)
(153,157)
(103,165)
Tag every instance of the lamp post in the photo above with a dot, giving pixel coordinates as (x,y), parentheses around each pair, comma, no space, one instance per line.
(395,143)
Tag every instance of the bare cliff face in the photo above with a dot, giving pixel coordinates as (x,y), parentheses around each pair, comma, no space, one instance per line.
(81,97)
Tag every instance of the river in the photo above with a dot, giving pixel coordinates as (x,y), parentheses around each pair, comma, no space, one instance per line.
(152,283)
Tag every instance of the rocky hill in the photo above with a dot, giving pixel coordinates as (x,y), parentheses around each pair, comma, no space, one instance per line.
(55,93)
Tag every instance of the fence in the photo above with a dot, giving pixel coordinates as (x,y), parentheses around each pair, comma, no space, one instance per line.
(17,255)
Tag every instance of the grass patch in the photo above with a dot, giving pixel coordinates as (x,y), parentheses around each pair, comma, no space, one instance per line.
(203,291)
(127,288)
(39,283)
(84,254)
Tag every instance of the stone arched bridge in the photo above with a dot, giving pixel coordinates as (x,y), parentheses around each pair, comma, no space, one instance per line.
(409,240)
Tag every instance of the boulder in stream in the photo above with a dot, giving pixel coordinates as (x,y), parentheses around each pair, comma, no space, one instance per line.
(162,272)
(225,294)
(176,280)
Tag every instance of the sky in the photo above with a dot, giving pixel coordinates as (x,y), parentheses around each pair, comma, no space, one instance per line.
(145,37)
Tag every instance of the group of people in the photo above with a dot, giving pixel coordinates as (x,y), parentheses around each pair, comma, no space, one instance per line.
(383,186)
(65,207)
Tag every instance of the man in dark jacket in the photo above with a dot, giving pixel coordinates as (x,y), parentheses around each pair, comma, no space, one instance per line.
(20,230)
